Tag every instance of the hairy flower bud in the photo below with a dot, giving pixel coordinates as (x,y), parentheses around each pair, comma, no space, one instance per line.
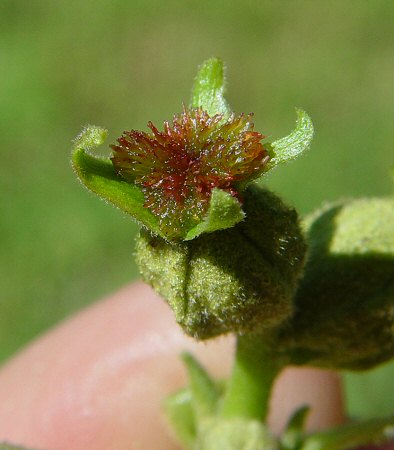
(345,303)
(237,280)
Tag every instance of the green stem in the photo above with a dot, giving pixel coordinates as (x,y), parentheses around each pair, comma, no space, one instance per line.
(255,369)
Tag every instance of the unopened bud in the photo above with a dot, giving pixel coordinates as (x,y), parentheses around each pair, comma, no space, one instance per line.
(238,280)
(345,303)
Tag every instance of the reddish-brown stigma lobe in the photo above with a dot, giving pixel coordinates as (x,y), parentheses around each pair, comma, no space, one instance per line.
(178,168)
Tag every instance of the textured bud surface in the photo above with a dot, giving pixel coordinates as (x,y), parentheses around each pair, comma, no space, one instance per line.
(345,303)
(178,168)
(237,280)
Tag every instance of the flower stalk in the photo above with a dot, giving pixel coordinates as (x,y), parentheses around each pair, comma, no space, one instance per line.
(249,387)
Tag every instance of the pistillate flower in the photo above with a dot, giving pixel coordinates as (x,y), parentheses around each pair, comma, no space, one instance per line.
(178,168)
(190,178)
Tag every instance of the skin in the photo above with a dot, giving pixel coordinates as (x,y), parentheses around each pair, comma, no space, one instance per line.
(95,382)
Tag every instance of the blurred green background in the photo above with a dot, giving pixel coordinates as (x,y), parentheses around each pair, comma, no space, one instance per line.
(120,63)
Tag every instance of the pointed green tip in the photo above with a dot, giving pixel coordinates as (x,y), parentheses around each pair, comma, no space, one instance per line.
(224,212)
(293,145)
(211,71)
(205,393)
(90,137)
(208,89)
(179,411)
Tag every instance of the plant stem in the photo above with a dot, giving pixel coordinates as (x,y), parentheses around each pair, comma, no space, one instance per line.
(255,369)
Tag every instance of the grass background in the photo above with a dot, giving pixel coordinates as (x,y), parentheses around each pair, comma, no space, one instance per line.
(120,63)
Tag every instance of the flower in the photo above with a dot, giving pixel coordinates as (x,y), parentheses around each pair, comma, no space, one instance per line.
(178,168)
(191,178)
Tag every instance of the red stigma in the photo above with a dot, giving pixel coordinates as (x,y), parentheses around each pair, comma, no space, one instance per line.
(177,168)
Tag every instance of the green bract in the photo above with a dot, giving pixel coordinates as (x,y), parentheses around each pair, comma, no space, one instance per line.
(209,87)
(98,175)
(293,145)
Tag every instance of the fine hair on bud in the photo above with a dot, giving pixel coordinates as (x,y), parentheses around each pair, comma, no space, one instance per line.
(239,280)
(344,315)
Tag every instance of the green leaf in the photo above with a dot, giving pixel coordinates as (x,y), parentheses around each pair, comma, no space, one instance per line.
(224,212)
(99,176)
(205,393)
(180,414)
(208,89)
(291,438)
(293,145)
(375,431)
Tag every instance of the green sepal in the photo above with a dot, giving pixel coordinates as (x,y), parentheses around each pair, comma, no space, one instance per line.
(99,176)
(369,432)
(179,412)
(208,89)
(224,212)
(293,145)
(205,394)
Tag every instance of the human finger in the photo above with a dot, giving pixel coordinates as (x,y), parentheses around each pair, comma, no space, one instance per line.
(97,381)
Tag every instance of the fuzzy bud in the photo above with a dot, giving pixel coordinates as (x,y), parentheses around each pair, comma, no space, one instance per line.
(237,280)
(345,303)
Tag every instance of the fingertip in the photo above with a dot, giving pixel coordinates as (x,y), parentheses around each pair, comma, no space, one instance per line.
(97,381)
